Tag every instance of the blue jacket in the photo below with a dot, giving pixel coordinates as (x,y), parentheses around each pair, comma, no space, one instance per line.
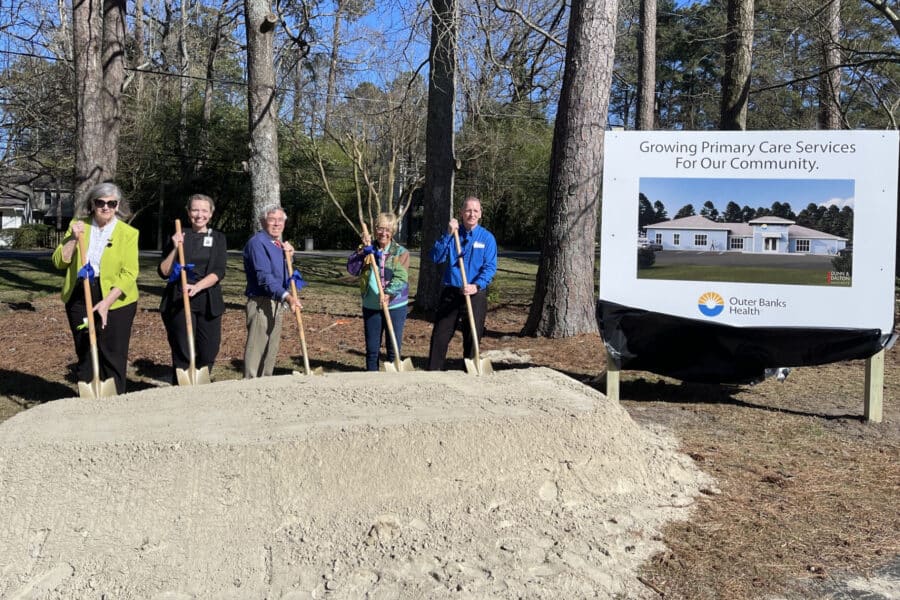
(265,268)
(479,251)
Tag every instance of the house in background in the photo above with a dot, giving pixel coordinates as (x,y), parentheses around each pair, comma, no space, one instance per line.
(769,235)
(15,206)
(39,200)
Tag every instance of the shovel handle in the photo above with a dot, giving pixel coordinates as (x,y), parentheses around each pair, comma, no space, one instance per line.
(290,268)
(185,297)
(89,308)
(387,312)
(462,271)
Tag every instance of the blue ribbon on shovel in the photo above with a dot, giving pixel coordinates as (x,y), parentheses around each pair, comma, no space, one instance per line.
(298,280)
(367,250)
(176,272)
(86,272)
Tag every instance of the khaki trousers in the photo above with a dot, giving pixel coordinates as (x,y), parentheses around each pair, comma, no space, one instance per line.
(264,318)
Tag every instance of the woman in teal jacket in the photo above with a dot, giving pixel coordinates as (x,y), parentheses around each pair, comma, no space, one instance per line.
(392,261)
(112,252)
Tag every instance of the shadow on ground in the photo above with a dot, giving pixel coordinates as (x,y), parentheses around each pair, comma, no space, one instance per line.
(18,386)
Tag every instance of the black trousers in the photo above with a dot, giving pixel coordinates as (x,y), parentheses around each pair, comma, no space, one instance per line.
(207,338)
(112,341)
(452,313)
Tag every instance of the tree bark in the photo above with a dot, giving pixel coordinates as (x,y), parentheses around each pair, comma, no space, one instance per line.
(738,59)
(209,90)
(333,63)
(184,88)
(98,34)
(646,101)
(264,173)
(563,303)
(139,42)
(439,156)
(830,81)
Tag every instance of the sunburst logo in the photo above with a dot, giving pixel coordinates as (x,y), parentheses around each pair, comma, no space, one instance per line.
(711,304)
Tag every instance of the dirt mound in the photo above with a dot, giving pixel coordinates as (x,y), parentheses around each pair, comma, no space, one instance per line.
(524,483)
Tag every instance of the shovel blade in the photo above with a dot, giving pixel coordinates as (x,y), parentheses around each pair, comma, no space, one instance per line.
(399,366)
(192,376)
(482,366)
(97,389)
(316,371)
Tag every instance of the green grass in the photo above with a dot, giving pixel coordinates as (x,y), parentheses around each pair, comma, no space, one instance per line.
(32,277)
(734,274)
(24,280)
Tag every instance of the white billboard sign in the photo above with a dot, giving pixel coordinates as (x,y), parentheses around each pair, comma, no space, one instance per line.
(752,229)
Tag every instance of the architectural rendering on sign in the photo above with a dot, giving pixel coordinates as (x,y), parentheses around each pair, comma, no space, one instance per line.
(767,234)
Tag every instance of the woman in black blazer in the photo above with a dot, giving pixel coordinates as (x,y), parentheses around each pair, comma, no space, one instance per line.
(205,249)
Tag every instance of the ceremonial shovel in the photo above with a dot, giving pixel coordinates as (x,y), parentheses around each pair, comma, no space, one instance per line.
(478,365)
(398,365)
(306,369)
(95,388)
(193,375)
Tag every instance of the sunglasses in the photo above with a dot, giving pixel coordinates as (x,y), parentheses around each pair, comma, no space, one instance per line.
(109,203)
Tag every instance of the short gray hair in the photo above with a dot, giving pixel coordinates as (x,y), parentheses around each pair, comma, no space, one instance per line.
(266,210)
(103,190)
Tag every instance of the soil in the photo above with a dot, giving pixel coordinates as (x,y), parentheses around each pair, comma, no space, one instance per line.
(804,498)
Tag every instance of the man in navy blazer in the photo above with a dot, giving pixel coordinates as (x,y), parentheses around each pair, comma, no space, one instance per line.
(268,292)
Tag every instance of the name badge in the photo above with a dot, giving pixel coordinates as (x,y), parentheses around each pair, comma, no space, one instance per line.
(478,245)
(207,241)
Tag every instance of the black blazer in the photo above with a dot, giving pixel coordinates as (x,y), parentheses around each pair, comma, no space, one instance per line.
(208,253)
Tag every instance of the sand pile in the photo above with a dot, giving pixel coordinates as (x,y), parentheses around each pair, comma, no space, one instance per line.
(421,485)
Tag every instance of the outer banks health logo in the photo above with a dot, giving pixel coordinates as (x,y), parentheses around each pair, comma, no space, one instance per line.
(711,304)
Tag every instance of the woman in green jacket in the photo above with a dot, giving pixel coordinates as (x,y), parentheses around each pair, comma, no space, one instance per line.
(392,267)
(111,246)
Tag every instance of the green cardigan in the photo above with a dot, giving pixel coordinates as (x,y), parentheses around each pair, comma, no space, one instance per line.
(118,264)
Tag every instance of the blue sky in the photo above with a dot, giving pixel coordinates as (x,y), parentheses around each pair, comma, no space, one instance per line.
(675,192)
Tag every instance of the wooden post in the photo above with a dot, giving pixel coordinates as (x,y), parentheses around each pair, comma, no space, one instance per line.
(874,387)
(612,380)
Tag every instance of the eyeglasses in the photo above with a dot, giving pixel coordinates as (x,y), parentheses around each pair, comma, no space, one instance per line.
(275,220)
(101,203)
(383,229)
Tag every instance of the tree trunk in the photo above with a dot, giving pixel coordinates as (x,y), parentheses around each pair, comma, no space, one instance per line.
(646,103)
(563,303)
(439,157)
(264,175)
(209,90)
(830,81)
(99,52)
(297,84)
(333,64)
(139,42)
(184,62)
(738,58)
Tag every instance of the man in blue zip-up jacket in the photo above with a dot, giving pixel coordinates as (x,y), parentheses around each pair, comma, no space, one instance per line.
(479,252)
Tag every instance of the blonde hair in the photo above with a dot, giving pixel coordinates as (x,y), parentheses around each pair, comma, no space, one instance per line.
(388,220)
